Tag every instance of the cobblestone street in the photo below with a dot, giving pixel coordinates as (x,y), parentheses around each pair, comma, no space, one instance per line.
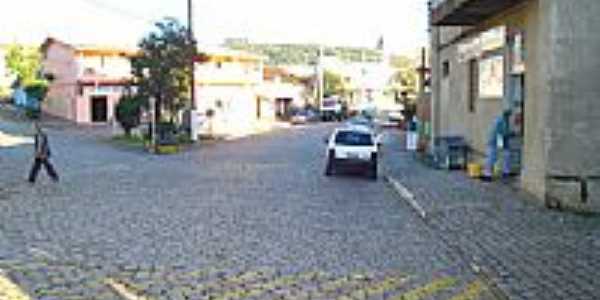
(249,219)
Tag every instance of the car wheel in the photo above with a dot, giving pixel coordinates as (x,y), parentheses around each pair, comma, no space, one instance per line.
(329,169)
(372,172)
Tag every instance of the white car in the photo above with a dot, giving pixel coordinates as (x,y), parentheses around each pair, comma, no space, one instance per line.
(353,146)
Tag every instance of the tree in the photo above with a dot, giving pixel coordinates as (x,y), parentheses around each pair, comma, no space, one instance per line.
(162,70)
(405,76)
(25,63)
(333,83)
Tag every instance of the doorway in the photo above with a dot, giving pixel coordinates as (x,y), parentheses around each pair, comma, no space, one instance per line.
(99,109)
(283,105)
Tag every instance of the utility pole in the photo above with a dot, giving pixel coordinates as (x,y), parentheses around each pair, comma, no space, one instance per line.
(191,37)
(321,77)
(193,116)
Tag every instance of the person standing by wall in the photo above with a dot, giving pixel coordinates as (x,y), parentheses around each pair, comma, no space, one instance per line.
(499,137)
(412,134)
(41,155)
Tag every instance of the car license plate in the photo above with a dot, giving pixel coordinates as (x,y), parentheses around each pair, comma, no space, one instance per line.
(353,155)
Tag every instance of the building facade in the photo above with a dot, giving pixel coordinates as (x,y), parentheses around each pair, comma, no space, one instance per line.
(289,91)
(227,85)
(88,81)
(538,58)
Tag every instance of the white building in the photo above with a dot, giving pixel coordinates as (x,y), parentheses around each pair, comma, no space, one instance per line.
(6,78)
(227,85)
(366,81)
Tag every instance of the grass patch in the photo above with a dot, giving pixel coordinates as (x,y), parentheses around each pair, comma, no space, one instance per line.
(125,140)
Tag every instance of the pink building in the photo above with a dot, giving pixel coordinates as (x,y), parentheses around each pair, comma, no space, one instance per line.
(88,80)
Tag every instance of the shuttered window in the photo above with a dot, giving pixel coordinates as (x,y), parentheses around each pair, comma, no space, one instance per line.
(473,84)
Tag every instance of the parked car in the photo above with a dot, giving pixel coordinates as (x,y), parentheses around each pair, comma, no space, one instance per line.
(304,116)
(390,119)
(299,118)
(367,122)
(312,116)
(352,146)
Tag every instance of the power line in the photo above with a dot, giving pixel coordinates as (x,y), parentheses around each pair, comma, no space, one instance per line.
(119,11)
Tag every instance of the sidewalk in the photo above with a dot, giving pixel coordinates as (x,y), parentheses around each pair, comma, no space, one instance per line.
(529,252)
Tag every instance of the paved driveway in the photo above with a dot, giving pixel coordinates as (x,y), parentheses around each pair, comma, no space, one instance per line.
(250,219)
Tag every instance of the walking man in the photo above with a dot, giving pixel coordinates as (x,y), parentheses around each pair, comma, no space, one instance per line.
(499,137)
(42,155)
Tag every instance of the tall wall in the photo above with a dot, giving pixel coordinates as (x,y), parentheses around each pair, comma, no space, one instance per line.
(60,62)
(536,104)
(446,112)
(572,69)
(436,63)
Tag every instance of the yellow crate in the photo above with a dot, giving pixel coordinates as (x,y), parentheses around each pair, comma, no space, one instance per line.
(474,170)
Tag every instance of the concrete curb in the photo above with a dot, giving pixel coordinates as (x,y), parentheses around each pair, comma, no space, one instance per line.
(406,195)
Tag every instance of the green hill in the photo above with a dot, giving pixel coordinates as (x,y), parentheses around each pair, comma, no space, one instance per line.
(302,54)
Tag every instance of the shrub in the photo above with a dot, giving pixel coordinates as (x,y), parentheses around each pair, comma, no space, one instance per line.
(128,112)
(37,90)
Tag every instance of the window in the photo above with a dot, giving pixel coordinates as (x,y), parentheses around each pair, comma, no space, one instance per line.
(350,138)
(473,84)
(446,68)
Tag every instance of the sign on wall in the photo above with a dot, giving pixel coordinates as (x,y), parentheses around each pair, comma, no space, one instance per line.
(491,77)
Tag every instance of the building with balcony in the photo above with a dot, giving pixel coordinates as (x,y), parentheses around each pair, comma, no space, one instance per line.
(88,80)
(538,58)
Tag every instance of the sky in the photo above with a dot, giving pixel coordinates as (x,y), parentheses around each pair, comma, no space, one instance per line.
(402,23)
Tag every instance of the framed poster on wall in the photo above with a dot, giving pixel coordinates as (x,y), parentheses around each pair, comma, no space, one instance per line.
(491,77)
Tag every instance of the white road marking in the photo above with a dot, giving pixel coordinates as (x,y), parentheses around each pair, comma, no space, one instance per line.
(407,195)
(123,291)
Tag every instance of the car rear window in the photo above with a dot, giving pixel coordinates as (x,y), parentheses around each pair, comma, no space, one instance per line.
(350,138)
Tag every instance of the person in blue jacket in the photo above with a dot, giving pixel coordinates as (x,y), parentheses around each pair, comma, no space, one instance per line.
(498,137)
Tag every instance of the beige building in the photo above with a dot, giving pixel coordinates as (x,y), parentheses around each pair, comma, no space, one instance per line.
(88,80)
(539,58)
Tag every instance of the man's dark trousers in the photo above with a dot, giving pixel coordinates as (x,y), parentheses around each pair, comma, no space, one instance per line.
(37,164)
